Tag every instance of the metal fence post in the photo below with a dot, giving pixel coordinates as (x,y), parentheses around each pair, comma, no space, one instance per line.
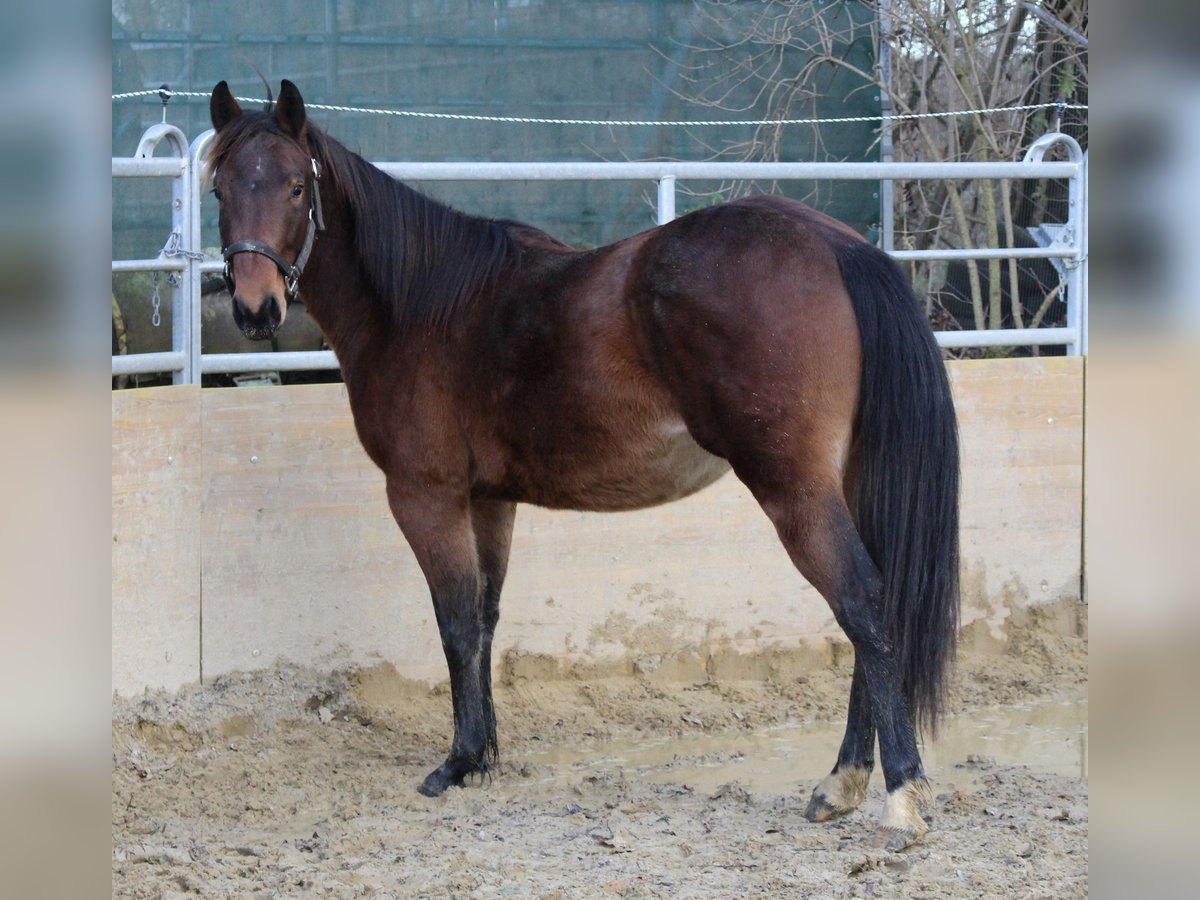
(1074,263)
(196,175)
(666,199)
(1075,234)
(1083,260)
(179,239)
(185,324)
(887,187)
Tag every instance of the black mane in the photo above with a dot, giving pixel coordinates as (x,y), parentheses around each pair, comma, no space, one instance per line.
(426,261)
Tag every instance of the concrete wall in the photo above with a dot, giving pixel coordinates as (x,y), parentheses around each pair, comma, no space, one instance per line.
(248,525)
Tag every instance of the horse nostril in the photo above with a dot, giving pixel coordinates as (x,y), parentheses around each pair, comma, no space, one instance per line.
(258,324)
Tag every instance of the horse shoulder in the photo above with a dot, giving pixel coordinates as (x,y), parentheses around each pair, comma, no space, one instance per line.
(405,412)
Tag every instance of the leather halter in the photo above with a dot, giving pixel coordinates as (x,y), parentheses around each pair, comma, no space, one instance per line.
(291,272)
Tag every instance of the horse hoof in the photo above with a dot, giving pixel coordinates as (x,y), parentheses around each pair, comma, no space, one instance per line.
(898,838)
(901,825)
(820,809)
(838,793)
(437,781)
(432,787)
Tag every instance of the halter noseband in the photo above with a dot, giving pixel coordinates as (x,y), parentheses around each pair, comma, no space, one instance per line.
(291,272)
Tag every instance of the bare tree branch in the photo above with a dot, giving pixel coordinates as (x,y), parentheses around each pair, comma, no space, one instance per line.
(778,58)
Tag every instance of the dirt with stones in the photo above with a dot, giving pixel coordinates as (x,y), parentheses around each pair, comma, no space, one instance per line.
(289,782)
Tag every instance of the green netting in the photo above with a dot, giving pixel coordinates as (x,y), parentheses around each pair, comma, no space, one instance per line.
(541,58)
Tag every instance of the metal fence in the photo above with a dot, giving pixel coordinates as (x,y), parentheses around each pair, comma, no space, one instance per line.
(182,258)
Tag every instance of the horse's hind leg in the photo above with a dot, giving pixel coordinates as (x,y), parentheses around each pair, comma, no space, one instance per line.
(817,529)
(843,789)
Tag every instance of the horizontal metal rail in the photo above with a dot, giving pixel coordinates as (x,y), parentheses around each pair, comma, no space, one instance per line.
(291,361)
(158,264)
(1005,337)
(713,171)
(149,363)
(326,360)
(1052,252)
(153,167)
(188,362)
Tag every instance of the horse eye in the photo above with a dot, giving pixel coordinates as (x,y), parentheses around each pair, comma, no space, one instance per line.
(217,194)
(297,190)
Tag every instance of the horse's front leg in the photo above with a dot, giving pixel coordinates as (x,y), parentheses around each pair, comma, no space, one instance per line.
(437,525)
(492,523)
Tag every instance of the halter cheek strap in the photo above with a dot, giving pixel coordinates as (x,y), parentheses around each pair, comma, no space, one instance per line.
(291,271)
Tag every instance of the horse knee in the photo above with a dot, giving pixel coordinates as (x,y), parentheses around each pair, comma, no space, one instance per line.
(461,645)
(461,639)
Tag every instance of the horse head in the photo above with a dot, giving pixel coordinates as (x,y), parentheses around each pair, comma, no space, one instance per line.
(265,180)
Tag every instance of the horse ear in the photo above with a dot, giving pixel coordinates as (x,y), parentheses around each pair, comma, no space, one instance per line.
(222,107)
(289,109)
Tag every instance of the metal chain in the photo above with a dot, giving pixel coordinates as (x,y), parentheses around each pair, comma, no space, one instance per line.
(174,247)
(155,301)
(526,120)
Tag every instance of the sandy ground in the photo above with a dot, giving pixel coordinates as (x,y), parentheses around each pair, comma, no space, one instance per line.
(289,782)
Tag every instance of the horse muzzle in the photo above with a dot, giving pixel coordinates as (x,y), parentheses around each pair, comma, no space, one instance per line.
(261,323)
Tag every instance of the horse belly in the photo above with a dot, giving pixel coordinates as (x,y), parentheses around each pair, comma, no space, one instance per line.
(667,465)
(684,468)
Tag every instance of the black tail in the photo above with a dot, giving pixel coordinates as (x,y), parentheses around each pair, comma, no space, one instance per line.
(906,496)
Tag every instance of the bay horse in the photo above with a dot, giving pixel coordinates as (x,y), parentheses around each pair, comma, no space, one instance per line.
(488,364)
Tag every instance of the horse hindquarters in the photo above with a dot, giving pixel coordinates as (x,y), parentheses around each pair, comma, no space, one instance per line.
(817,351)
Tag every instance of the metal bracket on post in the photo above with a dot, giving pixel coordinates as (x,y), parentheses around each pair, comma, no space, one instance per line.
(155,135)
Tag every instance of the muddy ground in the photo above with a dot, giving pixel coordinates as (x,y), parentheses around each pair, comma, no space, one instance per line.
(289,782)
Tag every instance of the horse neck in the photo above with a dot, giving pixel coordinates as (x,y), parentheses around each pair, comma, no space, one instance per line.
(394,261)
(429,264)
(334,291)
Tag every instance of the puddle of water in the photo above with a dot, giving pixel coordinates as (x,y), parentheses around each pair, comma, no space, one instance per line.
(1048,735)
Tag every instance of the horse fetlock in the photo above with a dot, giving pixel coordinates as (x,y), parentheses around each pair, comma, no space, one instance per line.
(454,772)
(902,824)
(839,793)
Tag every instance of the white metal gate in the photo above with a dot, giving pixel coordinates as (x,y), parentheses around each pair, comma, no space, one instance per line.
(182,257)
